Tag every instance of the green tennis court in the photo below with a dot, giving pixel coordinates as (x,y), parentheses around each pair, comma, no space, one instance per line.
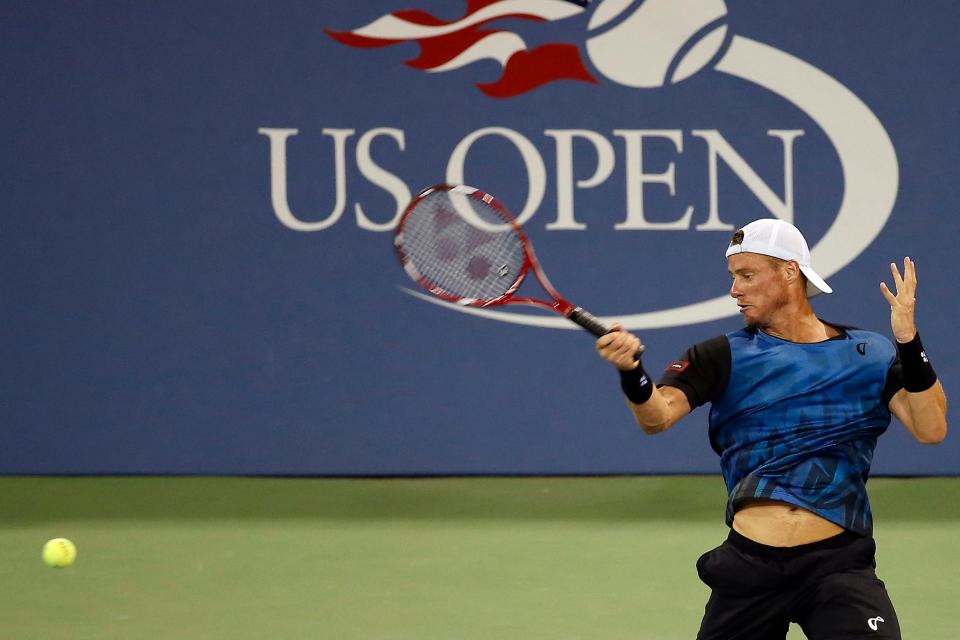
(413,559)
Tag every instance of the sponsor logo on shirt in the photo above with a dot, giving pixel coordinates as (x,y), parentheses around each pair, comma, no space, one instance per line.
(678,366)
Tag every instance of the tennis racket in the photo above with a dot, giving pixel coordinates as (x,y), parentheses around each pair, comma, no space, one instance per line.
(463,246)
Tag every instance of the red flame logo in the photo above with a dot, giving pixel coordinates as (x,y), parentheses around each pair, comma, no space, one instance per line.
(448,45)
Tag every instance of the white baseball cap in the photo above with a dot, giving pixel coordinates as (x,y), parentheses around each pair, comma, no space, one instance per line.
(773,237)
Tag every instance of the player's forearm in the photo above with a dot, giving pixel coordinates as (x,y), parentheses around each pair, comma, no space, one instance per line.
(925,400)
(928,413)
(650,407)
(654,415)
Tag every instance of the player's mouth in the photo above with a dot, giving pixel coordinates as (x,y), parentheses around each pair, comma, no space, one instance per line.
(744,307)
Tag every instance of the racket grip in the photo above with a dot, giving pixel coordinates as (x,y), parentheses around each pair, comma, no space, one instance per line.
(589,322)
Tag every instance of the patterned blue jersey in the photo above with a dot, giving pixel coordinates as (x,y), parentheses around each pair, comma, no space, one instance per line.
(798,422)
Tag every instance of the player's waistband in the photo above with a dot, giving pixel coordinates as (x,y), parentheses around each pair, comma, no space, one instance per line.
(839,541)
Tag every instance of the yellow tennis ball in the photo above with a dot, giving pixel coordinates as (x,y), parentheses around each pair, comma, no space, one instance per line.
(59,553)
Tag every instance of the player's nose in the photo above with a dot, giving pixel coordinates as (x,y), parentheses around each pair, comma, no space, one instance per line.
(735,290)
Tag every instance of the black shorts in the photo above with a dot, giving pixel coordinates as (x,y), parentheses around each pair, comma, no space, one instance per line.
(829,588)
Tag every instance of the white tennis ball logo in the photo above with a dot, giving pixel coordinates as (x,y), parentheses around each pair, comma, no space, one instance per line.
(678,37)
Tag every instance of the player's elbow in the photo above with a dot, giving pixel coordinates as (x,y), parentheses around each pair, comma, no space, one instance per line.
(933,433)
(657,414)
(653,427)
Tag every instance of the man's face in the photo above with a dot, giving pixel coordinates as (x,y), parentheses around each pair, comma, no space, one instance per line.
(759,287)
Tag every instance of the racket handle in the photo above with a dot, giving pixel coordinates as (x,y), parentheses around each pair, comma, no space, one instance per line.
(589,322)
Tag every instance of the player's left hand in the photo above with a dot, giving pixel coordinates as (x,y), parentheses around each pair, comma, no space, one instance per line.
(903,303)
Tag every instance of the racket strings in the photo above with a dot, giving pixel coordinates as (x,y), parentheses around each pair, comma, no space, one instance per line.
(451,242)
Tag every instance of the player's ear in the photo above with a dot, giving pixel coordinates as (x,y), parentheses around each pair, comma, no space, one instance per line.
(792,273)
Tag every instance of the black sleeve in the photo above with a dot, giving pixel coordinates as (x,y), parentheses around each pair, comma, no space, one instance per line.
(894,381)
(702,372)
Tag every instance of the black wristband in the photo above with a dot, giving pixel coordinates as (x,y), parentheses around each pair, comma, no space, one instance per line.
(918,374)
(636,384)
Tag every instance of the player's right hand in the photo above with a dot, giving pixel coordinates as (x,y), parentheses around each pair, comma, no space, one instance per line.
(619,348)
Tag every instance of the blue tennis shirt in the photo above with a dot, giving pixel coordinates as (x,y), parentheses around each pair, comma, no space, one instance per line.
(794,422)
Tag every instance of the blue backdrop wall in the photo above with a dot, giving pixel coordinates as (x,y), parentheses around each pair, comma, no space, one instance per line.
(197,270)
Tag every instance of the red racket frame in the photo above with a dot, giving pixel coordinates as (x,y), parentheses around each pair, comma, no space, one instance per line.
(559,304)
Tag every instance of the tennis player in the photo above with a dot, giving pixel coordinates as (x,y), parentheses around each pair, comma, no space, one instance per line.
(797,405)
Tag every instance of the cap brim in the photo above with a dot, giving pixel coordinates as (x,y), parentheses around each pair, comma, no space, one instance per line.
(815,284)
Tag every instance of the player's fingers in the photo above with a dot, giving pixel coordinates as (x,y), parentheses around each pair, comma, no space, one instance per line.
(897,280)
(909,279)
(625,359)
(613,346)
(615,357)
(612,340)
(907,286)
(890,298)
(627,350)
(910,271)
(608,339)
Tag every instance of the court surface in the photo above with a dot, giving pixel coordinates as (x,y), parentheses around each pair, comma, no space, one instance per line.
(413,559)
